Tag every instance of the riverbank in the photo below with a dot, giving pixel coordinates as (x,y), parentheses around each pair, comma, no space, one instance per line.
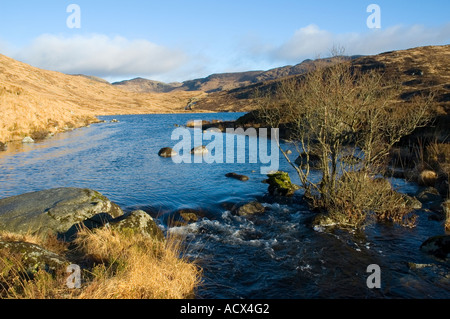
(72,243)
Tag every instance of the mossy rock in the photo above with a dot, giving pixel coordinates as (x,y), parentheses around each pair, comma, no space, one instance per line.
(33,258)
(138,222)
(280,184)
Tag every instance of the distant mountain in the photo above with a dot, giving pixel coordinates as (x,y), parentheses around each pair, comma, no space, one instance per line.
(140,85)
(93,78)
(217,82)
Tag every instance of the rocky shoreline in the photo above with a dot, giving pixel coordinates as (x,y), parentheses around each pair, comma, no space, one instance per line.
(60,213)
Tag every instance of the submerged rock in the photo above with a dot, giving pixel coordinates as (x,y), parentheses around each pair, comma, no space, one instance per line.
(199,150)
(249,209)
(55,211)
(280,184)
(241,178)
(185,216)
(167,152)
(438,247)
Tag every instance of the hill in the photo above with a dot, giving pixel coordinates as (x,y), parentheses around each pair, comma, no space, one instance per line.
(218,82)
(140,85)
(422,69)
(33,100)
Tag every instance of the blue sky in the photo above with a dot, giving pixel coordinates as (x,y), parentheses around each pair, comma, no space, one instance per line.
(177,40)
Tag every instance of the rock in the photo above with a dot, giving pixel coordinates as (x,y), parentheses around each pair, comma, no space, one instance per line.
(442,186)
(314,161)
(27,140)
(185,216)
(322,222)
(199,150)
(418,266)
(241,178)
(280,184)
(33,257)
(430,198)
(138,222)
(249,209)
(429,194)
(438,247)
(167,152)
(412,202)
(3,147)
(56,211)
(427,178)
(114,121)
(446,209)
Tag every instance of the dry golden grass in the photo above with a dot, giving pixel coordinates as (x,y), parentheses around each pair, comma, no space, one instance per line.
(134,267)
(32,99)
(122,266)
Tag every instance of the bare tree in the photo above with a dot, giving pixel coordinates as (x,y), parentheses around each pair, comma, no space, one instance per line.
(336,113)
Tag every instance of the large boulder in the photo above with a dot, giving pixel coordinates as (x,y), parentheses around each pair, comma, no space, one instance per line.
(280,184)
(55,211)
(3,147)
(138,222)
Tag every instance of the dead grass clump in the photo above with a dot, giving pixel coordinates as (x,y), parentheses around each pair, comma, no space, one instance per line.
(38,134)
(361,199)
(136,267)
(438,155)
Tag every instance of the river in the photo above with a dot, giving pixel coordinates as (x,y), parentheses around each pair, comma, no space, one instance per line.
(273,256)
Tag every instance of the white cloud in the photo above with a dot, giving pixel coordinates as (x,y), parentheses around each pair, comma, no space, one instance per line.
(311,41)
(100,55)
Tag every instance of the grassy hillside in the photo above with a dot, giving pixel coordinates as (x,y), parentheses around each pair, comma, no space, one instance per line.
(34,100)
(418,70)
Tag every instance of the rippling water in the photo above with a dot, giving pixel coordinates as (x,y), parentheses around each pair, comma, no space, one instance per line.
(276,255)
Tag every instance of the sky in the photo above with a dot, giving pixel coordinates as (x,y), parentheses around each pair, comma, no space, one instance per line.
(178,40)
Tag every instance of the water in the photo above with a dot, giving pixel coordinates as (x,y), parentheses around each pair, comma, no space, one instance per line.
(277,255)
